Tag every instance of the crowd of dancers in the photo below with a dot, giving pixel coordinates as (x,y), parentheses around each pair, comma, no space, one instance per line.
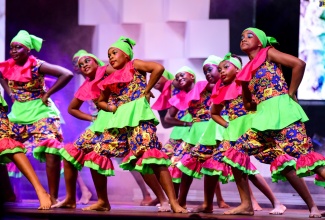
(217,124)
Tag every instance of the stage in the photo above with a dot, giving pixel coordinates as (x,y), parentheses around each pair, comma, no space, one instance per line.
(27,210)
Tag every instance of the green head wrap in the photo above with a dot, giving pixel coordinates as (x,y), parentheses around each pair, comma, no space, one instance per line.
(126,45)
(168,75)
(78,53)
(232,60)
(30,41)
(265,40)
(100,63)
(212,59)
(188,70)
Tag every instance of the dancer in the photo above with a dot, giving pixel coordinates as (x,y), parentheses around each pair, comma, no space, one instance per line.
(128,131)
(196,102)
(33,121)
(278,121)
(227,97)
(12,151)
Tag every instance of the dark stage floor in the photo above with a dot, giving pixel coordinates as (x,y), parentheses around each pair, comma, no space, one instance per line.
(27,210)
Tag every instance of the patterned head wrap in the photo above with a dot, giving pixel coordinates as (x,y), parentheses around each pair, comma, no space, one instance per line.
(30,41)
(265,40)
(126,45)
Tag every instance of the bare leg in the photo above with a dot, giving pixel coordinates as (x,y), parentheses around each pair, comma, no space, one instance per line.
(245,208)
(259,181)
(165,180)
(220,201)
(141,183)
(53,168)
(185,185)
(210,183)
(85,193)
(23,164)
(100,182)
(300,186)
(255,204)
(321,172)
(176,187)
(155,186)
(70,177)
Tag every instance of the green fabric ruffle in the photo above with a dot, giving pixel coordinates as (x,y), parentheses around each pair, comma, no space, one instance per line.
(179,131)
(31,111)
(213,132)
(195,132)
(277,113)
(101,121)
(238,127)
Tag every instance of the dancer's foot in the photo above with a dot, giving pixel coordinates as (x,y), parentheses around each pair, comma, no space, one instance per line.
(164,207)
(98,207)
(314,213)
(85,197)
(66,204)
(202,209)
(44,200)
(223,205)
(256,206)
(278,210)
(240,210)
(54,200)
(177,208)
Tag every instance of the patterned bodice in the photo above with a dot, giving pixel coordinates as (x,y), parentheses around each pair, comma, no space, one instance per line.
(267,82)
(180,113)
(200,109)
(235,108)
(27,91)
(127,92)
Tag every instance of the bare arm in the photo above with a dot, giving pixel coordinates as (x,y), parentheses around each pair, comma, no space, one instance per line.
(171,119)
(103,102)
(296,64)
(249,104)
(74,110)
(155,69)
(215,112)
(63,77)
(162,114)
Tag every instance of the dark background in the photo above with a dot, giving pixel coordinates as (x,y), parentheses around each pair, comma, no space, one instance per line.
(57,23)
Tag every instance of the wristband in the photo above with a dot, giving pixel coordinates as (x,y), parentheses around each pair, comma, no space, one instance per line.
(185,124)
(226,126)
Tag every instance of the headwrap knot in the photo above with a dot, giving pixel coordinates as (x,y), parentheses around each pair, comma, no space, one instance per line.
(265,40)
(125,44)
(28,40)
(232,60)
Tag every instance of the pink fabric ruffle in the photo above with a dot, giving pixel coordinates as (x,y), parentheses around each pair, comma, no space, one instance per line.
(308,160)
(229,92)
(191,163)
(239,158)
(103,162)
(247,72)
(8,143)
(212,164)
(73,151)
(89,89)
(182,103)
(280,161)
(11,71)
(151,153)
(123,75)
(162,101)
(175,172)
(319,178)
(53,143)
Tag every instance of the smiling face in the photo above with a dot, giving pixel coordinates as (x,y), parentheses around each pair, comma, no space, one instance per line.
(117,58)
(19,53)
(211,73)
(88,67)
(185,80)
(249,41)
(228,72)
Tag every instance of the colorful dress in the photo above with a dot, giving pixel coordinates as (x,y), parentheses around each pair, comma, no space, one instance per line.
(131,131)
(77,152)
(277,124)
(173,146)
(31,122)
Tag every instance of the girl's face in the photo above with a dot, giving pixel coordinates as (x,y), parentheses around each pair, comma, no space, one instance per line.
(227,71)
(88,67)
(184,79)
(117,58)
(211,73)
(249,41)
(19,52)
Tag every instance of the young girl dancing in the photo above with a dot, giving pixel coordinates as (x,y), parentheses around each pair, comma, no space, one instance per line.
(132,129)
(227,97)
(33,120)
(277,123)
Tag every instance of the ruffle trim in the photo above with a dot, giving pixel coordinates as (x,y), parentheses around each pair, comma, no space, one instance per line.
(72,154)
(228,92)
(306,164)
(213,132)
(49,146)
(101,122)
(240,161)
(190,166)
(319,181)
(238,127)
(175,173)
(212,167)
(162,101)
(178,132)
(102,164)
(279,164)
(195,132)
